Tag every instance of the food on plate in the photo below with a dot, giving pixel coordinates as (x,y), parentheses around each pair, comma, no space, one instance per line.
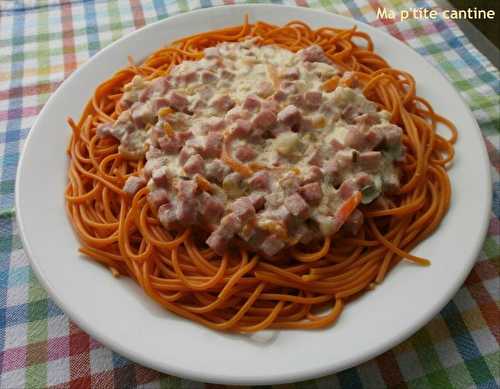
(250,177)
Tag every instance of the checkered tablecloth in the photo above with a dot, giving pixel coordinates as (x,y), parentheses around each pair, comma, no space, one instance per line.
(42,42)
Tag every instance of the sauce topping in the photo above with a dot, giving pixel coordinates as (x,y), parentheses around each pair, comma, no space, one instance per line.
(248,143)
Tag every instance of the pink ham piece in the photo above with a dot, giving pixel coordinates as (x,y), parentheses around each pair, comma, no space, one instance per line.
(194,165)
(370,160)
(161,176)
(297,206)
(265,119)
(207,77)
(272,245)
(177,101)
(290,115)
(186,212)
(158,197)
(167,215)
(216,170)
(213,123)
(291,74)
(258,200)
(243,209)
(312,193)
(265,89)
(219,239)
(104,129)
(141,114)
(211,208)
(242,128)
(314,174)
(211,52)
(213,145)
(251,103)
(313,53)
(223,103)
(355,138)
(245,153)
(312,99)
(133,184)
(186,189)
(259,181)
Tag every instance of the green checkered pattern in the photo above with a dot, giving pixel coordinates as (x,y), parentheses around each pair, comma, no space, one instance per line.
(42,42)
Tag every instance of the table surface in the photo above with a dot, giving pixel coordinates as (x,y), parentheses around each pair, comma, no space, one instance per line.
(42,42)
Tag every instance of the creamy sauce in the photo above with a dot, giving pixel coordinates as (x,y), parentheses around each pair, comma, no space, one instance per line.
(309,150)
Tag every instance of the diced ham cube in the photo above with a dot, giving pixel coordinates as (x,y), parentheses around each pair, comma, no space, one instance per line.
(344,158)
(211,52)
(158,103)
(186,189)
(245,153)
(194,165)
(153,152)
(354,223)
(242,128)
(314,174)
(177,101)
(336,145)
(169,144)
(213,145)
(316,159)
(141,114)
(290,183)
(347,189)
(251,103)
(291,74)
(149,167)
(189,77)
(373,139)
(288,87)
(161,85)
(133,184)
(280,96)
(354,138)
(313,53)
(243,209)
(216,170)
(146,94)
(270,105)
(158,197)
(265,89)
(290,115)
(167,215)
(258,200)
(104,129)
(211,208)
(207,76)
(367,119)
(370,160)
(312,192)
(312,99)
(161,176)
(272,245)
(392,134)
(237,113)
(227,75)
(217,242)
(362,180)
(223,103)
(297,205)
(186,153)
(187,212)
(213,123)
(259,181)
(298,100)
(265,119)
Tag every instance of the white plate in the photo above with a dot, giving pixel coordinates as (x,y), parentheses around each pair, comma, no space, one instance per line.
(118,314)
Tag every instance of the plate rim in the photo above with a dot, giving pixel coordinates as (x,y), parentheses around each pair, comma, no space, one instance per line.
(193,373)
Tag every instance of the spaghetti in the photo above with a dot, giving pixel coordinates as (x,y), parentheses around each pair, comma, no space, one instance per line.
(238,291)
